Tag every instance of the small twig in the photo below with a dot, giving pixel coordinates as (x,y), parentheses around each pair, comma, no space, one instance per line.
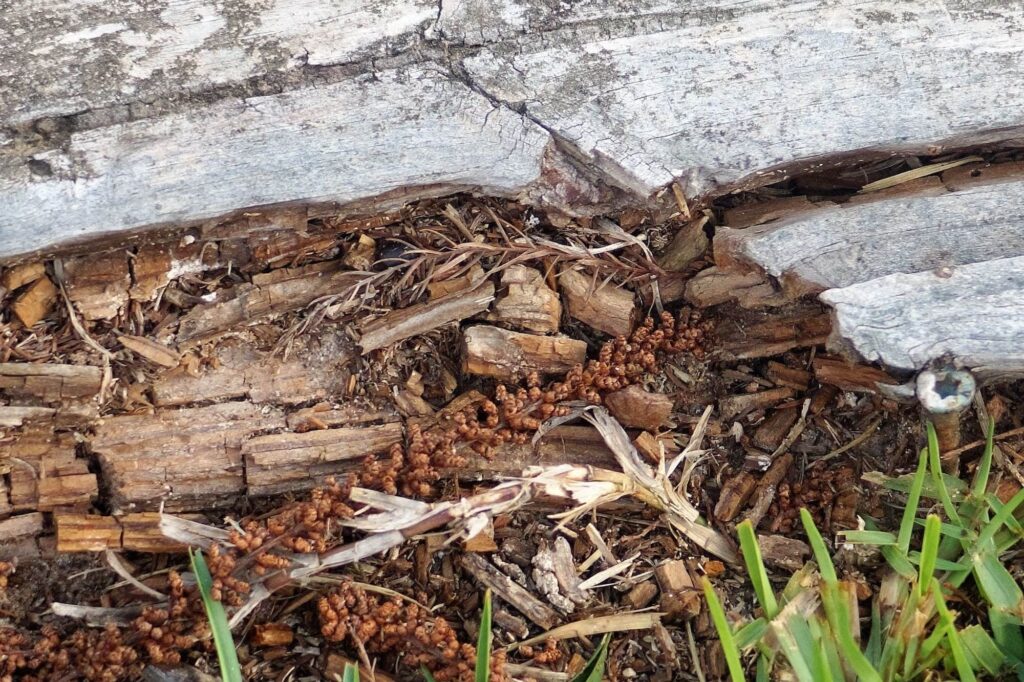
(849,446)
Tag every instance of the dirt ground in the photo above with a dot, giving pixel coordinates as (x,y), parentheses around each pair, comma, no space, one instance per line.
(234,377)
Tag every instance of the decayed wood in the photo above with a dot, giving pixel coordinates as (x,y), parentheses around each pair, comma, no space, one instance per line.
(420,318)
(508,590)
(139,532)
(850,377)
(311,371)
(324,416)
(98,284)
(45,472)
(737,405)
(21,526)
(188,459)
(713,285)
(527,303)
(762,212)
(971,313)
(633,406)
(782,552)
(773,430)
(298,461)
(688,244)
(443,287)
(767,487)
(581,445)
(277,291)
(362,254)
(851,244)
(49,382)
(35,302)
(754,334)
(69,415)
(735,494)
(782,375)
(507,355)
(19,275)
(155,352)
(602,305)
(680,597)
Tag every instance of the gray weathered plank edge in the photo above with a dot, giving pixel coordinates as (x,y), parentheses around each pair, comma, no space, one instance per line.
(973,314)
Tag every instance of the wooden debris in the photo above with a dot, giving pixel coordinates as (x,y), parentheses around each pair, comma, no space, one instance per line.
(157,353)
(528,303)
(21,527)
(46,473)
(782,552)
(18,276)
(680,597)
(441,288)
(734,496)
(153,265)
(188,459)
(748,215)
(633,406)
(641,595)
(412,405)
(601,305)
(735,406)
(277,291)
(311,371)
(848,376)
(482,542)
(323,416)
(50,382)
(87,533)
(772,431)
(689,243)
(982,173)
(36,302)
(423,317)
(98,283)
(272,634)
(781,375)
(580,445)
(713,286)
(768,486)
(279,247)
(507,355)
(755,334)
(362,254)
(298,461)
(600,545)
(537,611)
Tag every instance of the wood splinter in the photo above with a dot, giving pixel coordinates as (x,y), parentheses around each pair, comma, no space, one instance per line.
(507,355)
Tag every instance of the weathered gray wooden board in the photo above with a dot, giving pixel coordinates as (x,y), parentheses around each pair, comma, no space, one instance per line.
(344,141)
(61,57)
(848,244)
(178,110)
(973,313)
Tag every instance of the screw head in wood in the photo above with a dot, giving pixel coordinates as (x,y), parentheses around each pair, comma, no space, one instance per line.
(946,391)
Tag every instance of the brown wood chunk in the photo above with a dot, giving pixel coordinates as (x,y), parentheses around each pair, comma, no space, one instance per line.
(423,317)
(757,334)
(508,355)
(157,353)
(642,594)
(581,445)
(735,494)
(45,471)
(781,375)
(528,303)
(782,552)
(36,302)
(362,254)
(850,377)
(604,306)
(713,286)
(272,634)
(87,533)
(444,287)
(140,532)
(735,406)
(98,283)
(680,597)
(517,597)
(633,406)
(689,243)
(773,430)
(22,526)
(18,276)
(49,382)
(298,461)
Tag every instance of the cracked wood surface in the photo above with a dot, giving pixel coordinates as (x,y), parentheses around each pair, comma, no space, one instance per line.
(175,111)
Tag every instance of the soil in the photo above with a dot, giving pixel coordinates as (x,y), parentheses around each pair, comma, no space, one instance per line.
(293,634)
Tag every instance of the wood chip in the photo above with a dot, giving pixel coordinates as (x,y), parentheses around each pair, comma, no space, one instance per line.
(781,375)
(441,288)
(680,597)
(423,317)
(642,594)
(604,306)
(50,382)
(18,276)
(735,406)
(782,552)
(362,254)
(157,353)
(87,533)
(272,634)
(528,303)
(734,497)
(98,283)
(713,286)
(772,431)
(767,487)
(688,244)
(508,355)
(36,302)
(756,334)
(538,612)
(848,376)
(633,406)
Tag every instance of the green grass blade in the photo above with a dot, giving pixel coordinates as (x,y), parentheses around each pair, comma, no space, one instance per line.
(985,465)
(797,647)
(426,674)
(483,642)
(227,656)
(998,587)
(729,649)
(929,553)
(899,562)
(755,569)
(868,537)
(981,651)
(913,500)
(1000,519)
(593,671)
(938,479)
(351,673)
(956,647)
(821,555)
(839,618)
(750,634)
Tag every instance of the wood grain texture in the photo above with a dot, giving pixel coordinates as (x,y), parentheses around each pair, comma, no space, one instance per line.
(973,313)
(838,247)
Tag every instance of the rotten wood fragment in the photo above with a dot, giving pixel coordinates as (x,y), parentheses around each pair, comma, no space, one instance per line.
(713,286)
(155,352)
(362,254)
(581,445)
(187,459)
(50,383)
(770,434)
(508,356)
(18,276)
(506,588)
(735,406)
(36,302)
(404,323)
(633,406)
(751,334)
(87,533)
(734,496)
(680,597)
(140,532)
(848,376)
(528,303)
(441,288)
(604,306)
(748,215)
(689,243)
(98,283)
(277,291)
(46,473)
(21,527)
(782,552)
(768,486)
(641,595)
(285,462)
(781,375)
(324,416)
